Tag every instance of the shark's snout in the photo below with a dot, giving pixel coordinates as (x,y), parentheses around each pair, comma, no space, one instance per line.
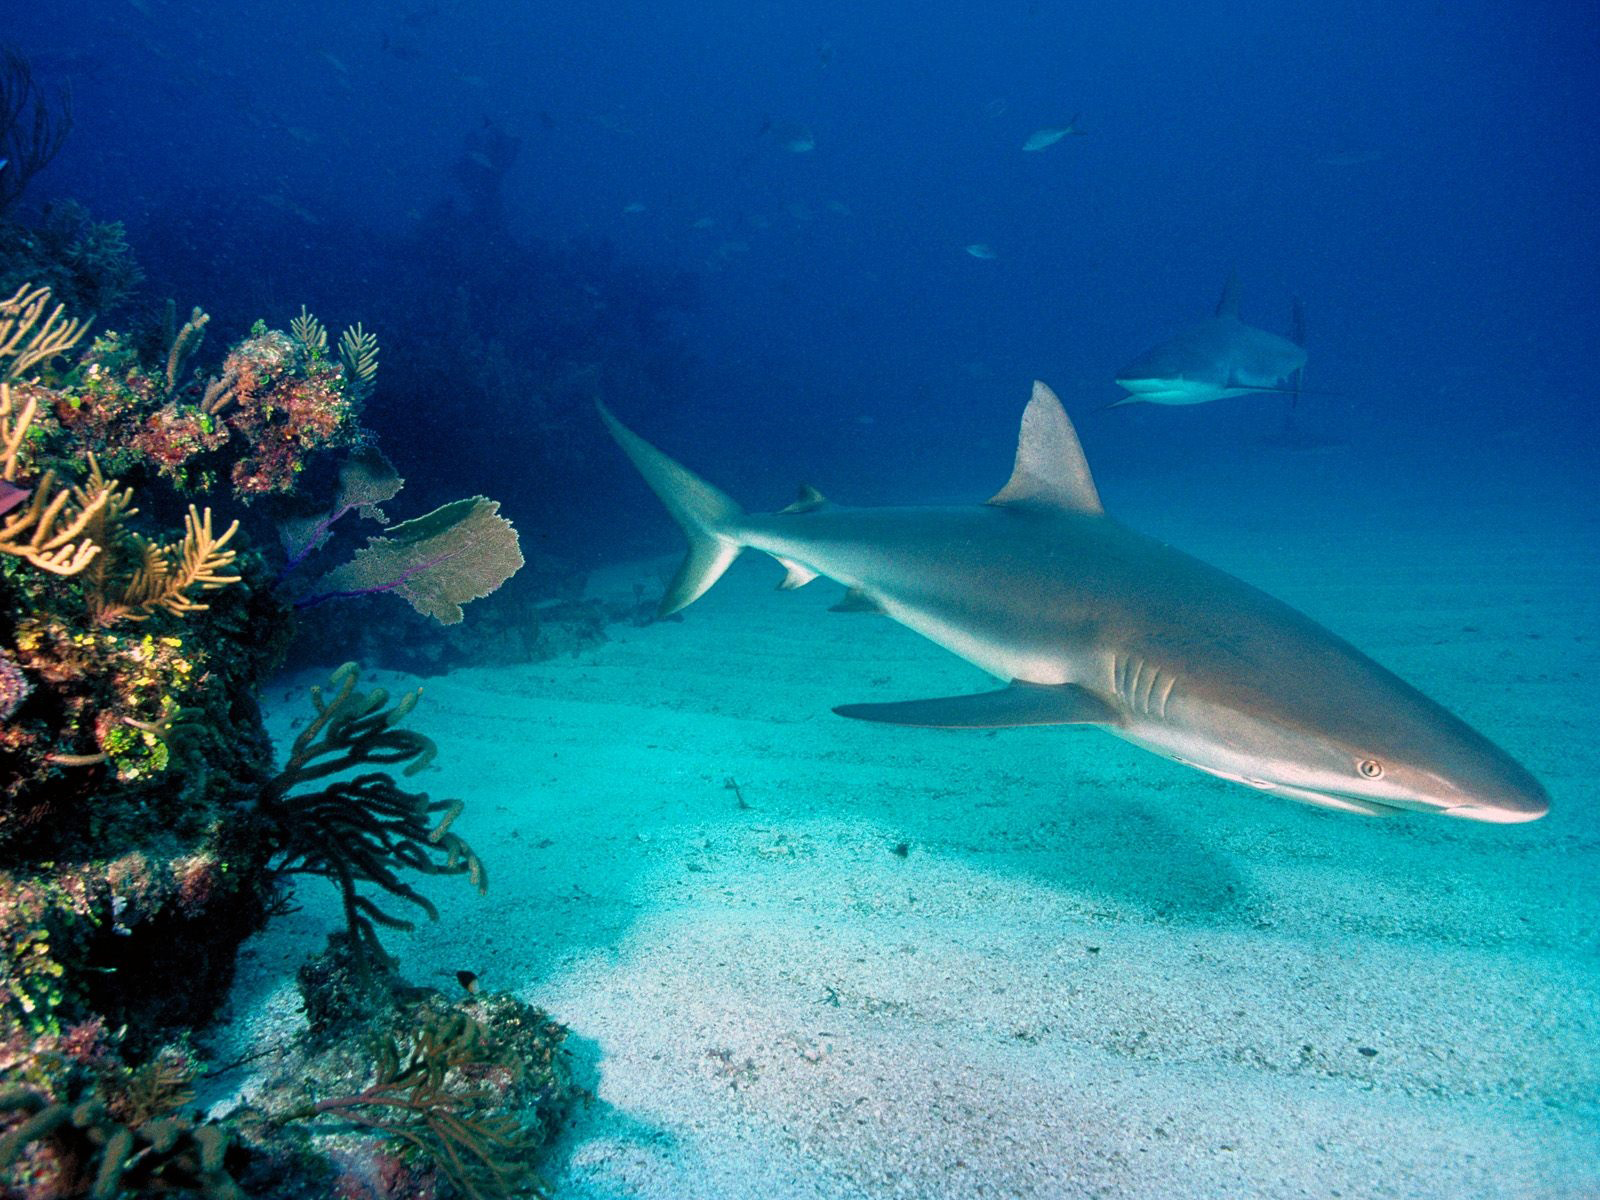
(1482,783)
(1511,807)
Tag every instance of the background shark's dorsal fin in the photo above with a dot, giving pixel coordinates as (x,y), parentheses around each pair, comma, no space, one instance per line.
(1050,471)
(809,500)
(1228,306)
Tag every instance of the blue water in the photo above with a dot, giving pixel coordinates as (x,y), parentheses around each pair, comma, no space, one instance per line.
(744,226)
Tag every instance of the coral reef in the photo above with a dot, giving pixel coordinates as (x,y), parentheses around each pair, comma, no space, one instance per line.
(256,424)
(86,264)
(143,831)
(444,1099)
(412,1094)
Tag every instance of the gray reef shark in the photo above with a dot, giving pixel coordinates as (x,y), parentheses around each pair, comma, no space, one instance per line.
(1216,359)
(1091,623)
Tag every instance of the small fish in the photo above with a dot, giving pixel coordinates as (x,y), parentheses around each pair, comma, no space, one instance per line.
(981,250)
(798,139)
(401,49)
(1043,139)
(704,223)
(635,207)
(10,494)
(334,61)
(469,981)
(4,163)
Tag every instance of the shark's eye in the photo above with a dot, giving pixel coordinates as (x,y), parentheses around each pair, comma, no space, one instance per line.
(1370,767)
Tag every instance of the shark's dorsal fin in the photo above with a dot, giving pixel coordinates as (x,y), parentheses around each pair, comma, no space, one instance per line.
(1228,306)
(1050,470)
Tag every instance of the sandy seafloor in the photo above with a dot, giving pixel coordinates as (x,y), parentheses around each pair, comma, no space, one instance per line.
(1092,973)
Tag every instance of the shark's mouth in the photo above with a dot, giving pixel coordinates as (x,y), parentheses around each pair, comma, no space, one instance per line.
(1344,802)
(1340,801)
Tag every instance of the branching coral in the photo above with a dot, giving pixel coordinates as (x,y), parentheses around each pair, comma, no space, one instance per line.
(364,830)
(166,574)
(310,333)
(184,343)
(31,129)
(25,342)
(434,1091)
(48,532)
(358,350)
(99,1156)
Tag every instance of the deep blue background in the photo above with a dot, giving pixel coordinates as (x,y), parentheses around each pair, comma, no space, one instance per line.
(1423,174)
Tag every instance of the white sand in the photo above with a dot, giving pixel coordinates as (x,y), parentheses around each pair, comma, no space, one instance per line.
(1093,974)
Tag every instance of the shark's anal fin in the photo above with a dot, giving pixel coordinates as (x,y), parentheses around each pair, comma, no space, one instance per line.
(856,600)
(1050,470)
(797,575)
(1011,707)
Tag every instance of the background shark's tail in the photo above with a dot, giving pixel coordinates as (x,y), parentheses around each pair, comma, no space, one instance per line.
(1297,335)
(710,519)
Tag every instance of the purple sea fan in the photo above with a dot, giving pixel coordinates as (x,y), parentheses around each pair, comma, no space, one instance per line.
(14,686)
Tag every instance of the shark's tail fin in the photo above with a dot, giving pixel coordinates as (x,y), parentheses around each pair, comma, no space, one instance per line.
(1228,305)
(710,519)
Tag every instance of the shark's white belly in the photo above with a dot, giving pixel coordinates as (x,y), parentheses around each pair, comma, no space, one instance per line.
(1175,391)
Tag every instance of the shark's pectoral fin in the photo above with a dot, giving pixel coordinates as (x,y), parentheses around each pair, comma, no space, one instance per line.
(1017,705)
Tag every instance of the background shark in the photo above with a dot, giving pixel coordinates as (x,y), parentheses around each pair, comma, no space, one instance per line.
(1094,624)
(1217,359)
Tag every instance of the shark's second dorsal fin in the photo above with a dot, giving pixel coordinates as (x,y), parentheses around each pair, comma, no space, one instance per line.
(1050,471)
(1228,306)
(809,500)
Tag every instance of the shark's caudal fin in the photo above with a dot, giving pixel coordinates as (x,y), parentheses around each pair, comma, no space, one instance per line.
(1297,335)
(1050,470)
(710,519)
